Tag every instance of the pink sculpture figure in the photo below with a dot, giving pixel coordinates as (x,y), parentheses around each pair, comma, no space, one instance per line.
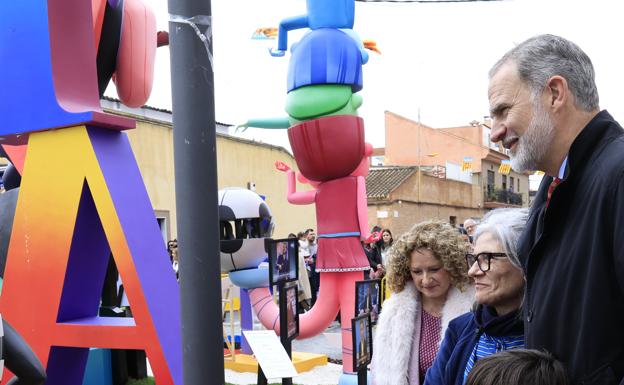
(342,221)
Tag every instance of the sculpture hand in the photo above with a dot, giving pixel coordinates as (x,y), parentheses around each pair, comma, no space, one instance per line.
(244,127)
(281,166)
(373,238)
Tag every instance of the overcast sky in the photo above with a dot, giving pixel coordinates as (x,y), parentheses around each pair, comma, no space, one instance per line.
(435,57)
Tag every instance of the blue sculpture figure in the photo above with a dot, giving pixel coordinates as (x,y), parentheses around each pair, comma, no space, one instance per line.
(327,139)
(335,14)
(324,76)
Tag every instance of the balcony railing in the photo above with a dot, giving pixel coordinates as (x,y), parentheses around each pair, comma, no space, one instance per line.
(503,196)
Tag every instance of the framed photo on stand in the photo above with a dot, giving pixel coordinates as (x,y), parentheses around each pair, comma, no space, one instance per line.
(283,260)
(361,334)
(368,298)
(289,314)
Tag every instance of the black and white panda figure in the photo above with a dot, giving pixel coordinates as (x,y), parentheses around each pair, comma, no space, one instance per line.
(245,222)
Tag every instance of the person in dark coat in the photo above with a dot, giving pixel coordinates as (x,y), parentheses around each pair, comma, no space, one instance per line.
(495,324)
(544,104)
(372,253)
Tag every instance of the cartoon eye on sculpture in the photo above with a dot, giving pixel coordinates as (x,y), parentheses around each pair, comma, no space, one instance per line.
(327,139)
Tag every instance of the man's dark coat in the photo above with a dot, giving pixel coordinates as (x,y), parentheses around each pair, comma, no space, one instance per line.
(573,256)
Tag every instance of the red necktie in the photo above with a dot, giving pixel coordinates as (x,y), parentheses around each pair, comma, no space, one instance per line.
(551,188)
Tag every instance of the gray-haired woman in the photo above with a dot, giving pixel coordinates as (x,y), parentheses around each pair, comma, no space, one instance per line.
(499,281)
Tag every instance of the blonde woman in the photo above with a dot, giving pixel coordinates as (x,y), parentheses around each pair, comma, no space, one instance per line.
(427,275)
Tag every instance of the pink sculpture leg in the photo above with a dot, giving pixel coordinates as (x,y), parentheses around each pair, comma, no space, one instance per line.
(337,293)
(311,323)
(346,292)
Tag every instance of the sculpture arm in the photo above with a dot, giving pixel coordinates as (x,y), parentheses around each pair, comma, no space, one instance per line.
(273,123)
(288,24)
(362,208)
(294,197)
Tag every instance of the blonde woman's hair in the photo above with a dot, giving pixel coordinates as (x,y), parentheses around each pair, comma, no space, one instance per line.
(440,238)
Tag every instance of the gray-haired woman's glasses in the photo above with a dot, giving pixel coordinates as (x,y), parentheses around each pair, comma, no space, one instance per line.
(483,260)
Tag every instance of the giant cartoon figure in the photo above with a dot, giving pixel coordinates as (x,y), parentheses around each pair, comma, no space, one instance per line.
(327,139)
(245,223)
(66,225)
(126,40)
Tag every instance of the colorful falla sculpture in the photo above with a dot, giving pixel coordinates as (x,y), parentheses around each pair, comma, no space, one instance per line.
(327,139)
(67,224)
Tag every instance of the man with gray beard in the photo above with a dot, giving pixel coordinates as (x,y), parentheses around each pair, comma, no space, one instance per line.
(544,106)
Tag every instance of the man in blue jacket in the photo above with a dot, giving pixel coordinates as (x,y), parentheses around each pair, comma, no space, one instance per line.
(544,105)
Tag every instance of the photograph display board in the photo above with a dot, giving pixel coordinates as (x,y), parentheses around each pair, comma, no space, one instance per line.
(283,258)
(368,298)
(362,341)
(289,315)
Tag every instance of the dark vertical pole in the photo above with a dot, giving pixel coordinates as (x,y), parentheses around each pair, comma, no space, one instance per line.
(286,343)
(194,143)
(288,347)
(362,376)
(262,380)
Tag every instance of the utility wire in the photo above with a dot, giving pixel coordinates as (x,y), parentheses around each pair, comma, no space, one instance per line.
(425,1)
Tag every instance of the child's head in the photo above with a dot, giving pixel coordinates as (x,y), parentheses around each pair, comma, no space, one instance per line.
(518,367)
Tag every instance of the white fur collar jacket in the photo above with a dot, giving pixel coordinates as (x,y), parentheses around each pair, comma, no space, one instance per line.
(398,327)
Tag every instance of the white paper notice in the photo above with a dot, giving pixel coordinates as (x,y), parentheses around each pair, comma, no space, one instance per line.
(270,354)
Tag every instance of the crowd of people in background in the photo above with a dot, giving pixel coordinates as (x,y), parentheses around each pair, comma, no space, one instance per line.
(174,258)
(376,248)
(308,281)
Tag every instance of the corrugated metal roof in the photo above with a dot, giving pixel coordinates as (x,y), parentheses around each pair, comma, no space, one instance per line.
(381,181)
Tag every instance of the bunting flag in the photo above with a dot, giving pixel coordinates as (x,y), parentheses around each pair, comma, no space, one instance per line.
(371,45)
(269,33)
(539,173)
(467,164)
(505,167)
